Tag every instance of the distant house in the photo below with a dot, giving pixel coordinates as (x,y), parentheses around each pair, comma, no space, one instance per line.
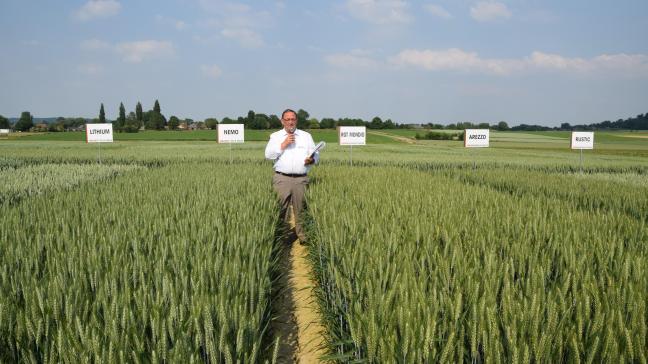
(75,128)
(39,127)
(182,126)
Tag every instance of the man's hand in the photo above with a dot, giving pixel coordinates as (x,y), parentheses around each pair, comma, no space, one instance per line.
(309,161)
(289,140)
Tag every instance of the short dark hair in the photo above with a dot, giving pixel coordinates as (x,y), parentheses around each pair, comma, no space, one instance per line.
(288,110)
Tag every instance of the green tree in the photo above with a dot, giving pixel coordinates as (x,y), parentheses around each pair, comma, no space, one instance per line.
(313,124)
(156,121)
(56,126)
(327,123)
(210,123)
(139,114)
(261,121)
(156,107)
(502,126)
(4,123)
(249,120)
(173,122)
(131,125)
(121,120)
(302,119)
(376,123)
(102,114)
(275,122)
(389,124)
(25,122)
(227,120)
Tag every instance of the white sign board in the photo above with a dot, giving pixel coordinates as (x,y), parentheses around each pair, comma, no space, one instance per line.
(99,133)
(476,138)
(582,140)
(352,135)
(231,133)
(5,131)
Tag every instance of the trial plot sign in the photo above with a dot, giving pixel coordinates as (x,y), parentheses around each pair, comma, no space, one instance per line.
(582,140)
(476,138)
(99,133)
(352,135)
(231,133)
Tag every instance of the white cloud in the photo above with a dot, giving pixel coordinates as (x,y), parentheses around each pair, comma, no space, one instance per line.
(380,12)
(136,52)
(94,45)
(357,59)
(558,62)
(489,11)
(236,21)
(246,37)
(90,69)
(98,9)
(455,59)
(437,11)
(212,71)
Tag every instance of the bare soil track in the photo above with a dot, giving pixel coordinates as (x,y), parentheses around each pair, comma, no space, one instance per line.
(297,320)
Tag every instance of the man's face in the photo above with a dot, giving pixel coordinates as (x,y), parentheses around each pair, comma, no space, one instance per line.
(289,121)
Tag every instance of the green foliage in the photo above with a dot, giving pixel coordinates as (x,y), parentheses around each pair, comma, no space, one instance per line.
(155,121)
(419,256)
(120,123)
(102,114)
(132,125)
(211,123)
(438,270)
(156,107)
(302,119)
(438,135)
(25,122)
(157,265)
(313,124)
(173,123)
(4,123)
(138,113)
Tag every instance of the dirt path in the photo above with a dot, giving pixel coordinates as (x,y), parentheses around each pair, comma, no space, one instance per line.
(395,137)
(297,322)
(635,136)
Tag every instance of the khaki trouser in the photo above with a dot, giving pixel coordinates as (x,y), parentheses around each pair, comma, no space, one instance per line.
(291,192)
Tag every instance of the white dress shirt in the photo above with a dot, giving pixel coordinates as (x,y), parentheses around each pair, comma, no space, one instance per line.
(291,159)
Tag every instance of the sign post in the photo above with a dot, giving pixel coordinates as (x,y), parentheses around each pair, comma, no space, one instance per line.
(5,132)
(476,138)
(231,133)
(352,135)
(582,140)
(99,133)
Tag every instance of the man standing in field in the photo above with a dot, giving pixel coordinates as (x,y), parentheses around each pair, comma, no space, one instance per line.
(291,150)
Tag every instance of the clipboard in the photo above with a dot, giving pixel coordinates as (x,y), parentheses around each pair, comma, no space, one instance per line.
(318,147)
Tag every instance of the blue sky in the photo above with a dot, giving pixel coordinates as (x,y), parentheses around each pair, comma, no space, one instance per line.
(442,61)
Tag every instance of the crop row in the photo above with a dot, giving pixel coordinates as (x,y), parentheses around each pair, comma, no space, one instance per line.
(419,267)
(616,193)
(170,264)
(18,183)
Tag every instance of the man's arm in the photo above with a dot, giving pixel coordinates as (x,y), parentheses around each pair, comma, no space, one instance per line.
(273,148)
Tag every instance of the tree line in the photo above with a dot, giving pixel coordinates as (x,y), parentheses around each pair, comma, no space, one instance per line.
(154,119)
